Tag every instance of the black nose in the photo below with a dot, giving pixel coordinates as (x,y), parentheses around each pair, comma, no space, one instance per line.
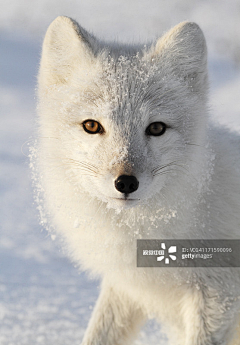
(126,184)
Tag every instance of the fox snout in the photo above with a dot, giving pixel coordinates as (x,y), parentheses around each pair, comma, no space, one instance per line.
(126,184)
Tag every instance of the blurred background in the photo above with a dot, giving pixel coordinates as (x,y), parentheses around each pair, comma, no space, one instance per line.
(43,298)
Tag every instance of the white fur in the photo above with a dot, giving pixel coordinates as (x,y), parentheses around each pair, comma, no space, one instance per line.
(197,195)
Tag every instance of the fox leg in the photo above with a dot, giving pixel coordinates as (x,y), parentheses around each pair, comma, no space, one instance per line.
(115,319)
(236,337)
(208,318)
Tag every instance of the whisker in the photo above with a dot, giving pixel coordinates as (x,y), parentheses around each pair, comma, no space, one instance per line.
(26,142)
(80,164)
(162,167)
(194,144)
(87,172)
(48,138)
(161,171)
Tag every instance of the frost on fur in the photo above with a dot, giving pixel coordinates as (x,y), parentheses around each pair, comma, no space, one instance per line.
(184,186)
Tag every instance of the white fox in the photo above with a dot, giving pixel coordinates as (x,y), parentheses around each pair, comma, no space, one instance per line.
(126,152)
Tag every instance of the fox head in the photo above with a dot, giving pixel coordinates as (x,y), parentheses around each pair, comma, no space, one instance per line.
(122,123)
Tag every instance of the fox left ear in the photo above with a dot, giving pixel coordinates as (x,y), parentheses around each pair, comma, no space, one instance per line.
(66,48)
(183,52)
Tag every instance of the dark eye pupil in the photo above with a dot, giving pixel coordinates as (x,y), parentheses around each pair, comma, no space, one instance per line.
(92,126)
(156,128)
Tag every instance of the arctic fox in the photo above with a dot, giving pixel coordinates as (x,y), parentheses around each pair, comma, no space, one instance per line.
(126,152)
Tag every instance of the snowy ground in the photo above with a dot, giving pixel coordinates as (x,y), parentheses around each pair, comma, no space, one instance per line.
(43,298)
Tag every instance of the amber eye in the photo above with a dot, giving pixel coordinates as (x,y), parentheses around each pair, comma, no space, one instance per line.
(156,129)
(92,127)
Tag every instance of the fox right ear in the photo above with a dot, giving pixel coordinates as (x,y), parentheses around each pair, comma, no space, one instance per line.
(66,47)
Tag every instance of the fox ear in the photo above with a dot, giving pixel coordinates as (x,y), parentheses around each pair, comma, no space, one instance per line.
(183,52)
(66,47)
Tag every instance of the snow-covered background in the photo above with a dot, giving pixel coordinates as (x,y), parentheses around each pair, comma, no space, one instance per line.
(43,298)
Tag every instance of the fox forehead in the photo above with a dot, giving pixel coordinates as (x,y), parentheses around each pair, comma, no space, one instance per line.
(130,91)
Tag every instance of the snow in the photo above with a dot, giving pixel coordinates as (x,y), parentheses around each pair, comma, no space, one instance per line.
(43,297)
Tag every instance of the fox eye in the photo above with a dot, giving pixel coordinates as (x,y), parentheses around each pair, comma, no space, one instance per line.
(156,129)
(92,127)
